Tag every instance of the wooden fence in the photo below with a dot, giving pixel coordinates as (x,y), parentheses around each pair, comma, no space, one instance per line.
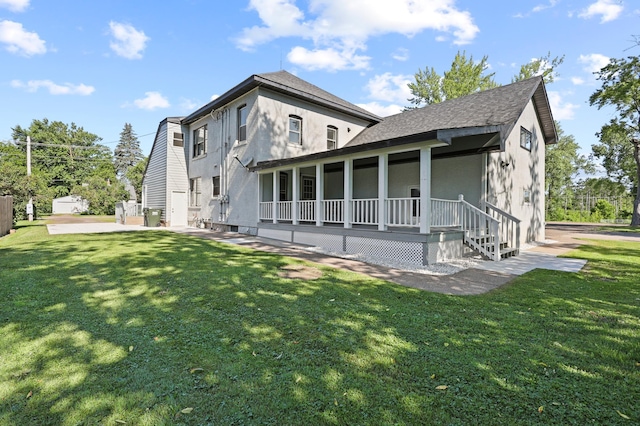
(6,214)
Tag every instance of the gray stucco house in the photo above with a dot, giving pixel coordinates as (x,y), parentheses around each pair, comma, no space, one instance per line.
(278,157)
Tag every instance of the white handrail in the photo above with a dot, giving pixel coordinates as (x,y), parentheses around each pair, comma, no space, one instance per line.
(364,211)
(266,210)
(284,210)
(333,211)
(307,211)
(509,225)
(481,231)
(403,211)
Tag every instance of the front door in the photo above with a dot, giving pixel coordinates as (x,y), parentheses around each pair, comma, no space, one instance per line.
(179,208)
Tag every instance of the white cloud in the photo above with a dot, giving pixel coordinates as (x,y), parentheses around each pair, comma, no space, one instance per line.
(541,7)
(561,110)
(15,5)
(328,59)
(20,41)
(608,9)
(188,104)
(339,29)
(593,62)
(578,81)
(151,101)
(390,88)
(128,42)
(401,54)
(213,97)
(54,88)
(382,110)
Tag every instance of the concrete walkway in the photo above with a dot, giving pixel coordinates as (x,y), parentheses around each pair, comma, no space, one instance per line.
(483,277)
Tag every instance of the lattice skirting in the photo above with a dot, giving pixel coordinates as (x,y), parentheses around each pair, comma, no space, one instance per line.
(408,252)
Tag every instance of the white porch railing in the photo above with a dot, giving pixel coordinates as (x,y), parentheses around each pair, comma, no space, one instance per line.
(481,231)
(445,213)
(333,211)
(364,211)
(484,232)
(509,226)
(284,210)
(266,210)
(403,211)
(307,211)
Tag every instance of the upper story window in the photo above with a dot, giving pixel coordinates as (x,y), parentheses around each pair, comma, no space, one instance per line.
(295,129)
(525,138)
(178,139)
(200,141)
(242,123)
(332,137)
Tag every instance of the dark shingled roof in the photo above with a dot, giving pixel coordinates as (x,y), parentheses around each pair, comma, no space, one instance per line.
(483,113)
(500,106)
(289,84)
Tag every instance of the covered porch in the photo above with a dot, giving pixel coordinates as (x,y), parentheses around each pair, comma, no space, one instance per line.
(382,204)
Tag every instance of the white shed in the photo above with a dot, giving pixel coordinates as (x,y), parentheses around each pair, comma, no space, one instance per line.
(69,205)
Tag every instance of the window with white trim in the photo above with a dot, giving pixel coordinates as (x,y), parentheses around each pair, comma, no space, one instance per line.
(525,138)
(243,112)
(332,137)
(200,141)
(195,192)
(295,129)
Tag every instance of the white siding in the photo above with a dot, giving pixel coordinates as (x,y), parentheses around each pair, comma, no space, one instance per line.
(177,179)
(156,175)
(524,172)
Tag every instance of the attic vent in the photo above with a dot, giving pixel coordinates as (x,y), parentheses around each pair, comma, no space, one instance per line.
(178,139)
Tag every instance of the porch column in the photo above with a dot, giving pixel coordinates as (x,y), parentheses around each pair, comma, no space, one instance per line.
(295,188)
(276,195)
(347,194)
(319,193)
(425,190)
(383,190)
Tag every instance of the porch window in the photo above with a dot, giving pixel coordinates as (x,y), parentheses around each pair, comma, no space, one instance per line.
(332,137)
(525,138)
(242,123)
(295,129)
(216,186)
(195,194)
(200,141)
(308,188)
(415,202)
(284,186)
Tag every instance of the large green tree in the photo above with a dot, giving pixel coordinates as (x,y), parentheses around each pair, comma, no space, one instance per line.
(127,153)
(563,163)
(619,145)
(62,157)
(463,78)
(135,175)
(466,77)
(546,66)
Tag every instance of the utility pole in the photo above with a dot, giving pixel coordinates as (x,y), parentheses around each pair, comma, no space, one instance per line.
(30,204)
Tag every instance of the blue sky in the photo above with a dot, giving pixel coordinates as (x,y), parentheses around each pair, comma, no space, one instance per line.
(101,64)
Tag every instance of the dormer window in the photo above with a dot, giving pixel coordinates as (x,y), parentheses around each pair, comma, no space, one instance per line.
(295,129)
(332,137)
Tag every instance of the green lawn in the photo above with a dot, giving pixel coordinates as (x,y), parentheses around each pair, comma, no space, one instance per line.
(158,328)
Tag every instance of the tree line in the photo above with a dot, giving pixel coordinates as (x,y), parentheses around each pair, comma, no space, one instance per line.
(68,160)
